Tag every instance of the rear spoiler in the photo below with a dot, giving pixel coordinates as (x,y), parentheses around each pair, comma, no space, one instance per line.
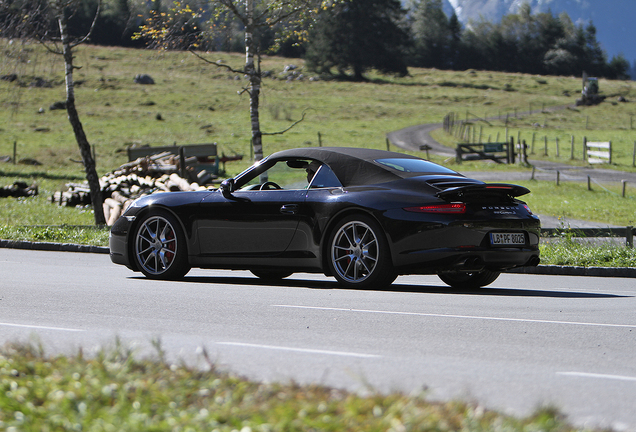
(477,191)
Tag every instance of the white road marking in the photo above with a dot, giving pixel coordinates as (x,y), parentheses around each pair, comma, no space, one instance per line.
(594,375)
(459,316)
(302,350)
(41,327)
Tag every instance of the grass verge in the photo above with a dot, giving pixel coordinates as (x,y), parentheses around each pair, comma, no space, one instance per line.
(116,391)
(568,252)
(83,235)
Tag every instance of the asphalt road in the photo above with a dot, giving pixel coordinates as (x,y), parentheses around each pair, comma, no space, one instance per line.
(526,341)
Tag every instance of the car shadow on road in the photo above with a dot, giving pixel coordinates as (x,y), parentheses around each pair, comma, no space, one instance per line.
(404,288)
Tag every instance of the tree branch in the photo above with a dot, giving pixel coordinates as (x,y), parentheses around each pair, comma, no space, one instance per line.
(90,31)
(289,128)
(217,63)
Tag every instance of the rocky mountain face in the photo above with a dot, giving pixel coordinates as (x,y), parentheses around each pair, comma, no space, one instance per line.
(613,19)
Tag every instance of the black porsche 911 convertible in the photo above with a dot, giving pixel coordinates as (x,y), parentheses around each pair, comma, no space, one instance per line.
(363,216)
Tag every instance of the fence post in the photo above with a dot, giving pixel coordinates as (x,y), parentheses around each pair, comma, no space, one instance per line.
(319,139)
(557,146)
(558,179)
(387,145)
(634,156)
(15,151)
(589,183)
(532,146)
(511,151)
(584,148)
(545,145)
(572,148)
(629,236)
(624,185)
(610,152)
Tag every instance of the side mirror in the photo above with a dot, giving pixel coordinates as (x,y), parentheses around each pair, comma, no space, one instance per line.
(227,187)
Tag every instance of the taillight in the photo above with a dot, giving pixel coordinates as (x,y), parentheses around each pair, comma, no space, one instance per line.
(454,208)
(525,206)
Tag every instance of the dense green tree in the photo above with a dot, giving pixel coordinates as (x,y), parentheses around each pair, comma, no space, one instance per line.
(432,37)
(359,35)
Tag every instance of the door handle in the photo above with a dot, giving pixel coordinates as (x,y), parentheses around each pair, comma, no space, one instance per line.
(289,209)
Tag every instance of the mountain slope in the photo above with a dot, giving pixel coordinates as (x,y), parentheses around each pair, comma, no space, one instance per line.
(613,19)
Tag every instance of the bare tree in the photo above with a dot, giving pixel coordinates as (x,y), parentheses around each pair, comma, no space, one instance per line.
(283,16)
(32,21)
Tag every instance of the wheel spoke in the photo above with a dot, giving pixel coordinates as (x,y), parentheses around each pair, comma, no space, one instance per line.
(363,264)
(348,239)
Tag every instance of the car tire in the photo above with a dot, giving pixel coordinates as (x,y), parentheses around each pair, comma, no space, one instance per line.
(469,280)
(159,246)
(358,254)
(271,275)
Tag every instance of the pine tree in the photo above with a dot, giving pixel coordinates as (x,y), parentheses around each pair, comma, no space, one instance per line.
(359,35)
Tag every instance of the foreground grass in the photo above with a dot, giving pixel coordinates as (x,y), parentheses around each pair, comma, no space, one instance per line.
(116,391)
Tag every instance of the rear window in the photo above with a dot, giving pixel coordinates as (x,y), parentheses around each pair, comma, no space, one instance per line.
(414,166)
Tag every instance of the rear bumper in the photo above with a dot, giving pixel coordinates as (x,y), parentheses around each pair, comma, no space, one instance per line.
(442,260)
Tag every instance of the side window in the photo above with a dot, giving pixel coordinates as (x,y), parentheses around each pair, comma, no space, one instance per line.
(289,174)
(324,178)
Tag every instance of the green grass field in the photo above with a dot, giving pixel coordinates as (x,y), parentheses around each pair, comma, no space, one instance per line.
(200,103)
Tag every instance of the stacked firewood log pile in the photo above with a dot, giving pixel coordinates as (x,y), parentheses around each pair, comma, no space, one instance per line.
(19,189)
(143,176)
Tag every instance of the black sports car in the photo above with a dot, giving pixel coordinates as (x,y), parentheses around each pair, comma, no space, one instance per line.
(362,216)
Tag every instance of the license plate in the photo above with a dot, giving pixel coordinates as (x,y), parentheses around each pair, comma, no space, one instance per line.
(507,239)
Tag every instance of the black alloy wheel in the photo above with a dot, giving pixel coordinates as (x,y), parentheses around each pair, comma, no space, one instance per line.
(159,247)
(359,254)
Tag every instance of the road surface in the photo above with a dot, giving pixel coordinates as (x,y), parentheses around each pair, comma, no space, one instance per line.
(524,342)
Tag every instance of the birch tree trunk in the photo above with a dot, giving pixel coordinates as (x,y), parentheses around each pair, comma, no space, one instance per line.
(78,130)
(255,81)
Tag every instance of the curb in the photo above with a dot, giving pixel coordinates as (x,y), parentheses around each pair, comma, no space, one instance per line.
(550,270)
(53,247)
(555,270)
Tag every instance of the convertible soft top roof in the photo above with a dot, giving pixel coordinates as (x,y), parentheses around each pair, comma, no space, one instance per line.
(353,166)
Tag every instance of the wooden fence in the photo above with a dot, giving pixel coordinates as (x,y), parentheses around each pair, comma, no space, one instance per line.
(627,232)
(598,152)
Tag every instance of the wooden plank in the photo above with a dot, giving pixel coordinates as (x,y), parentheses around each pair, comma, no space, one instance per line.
(599,154)
(593,161)
(606,145)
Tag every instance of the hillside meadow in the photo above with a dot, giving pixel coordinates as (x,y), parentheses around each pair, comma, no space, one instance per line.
(194,102)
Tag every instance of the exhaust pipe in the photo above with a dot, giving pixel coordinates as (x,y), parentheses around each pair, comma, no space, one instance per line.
(470,264)
(533,262)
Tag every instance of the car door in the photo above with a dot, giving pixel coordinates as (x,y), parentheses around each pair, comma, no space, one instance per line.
(254,223)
